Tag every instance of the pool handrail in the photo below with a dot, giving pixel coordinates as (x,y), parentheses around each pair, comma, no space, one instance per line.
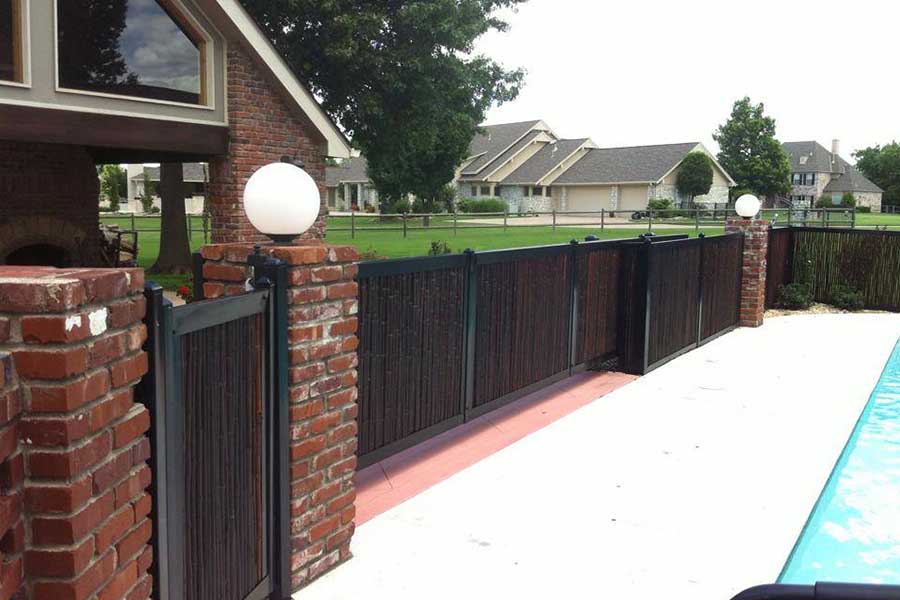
(821,591)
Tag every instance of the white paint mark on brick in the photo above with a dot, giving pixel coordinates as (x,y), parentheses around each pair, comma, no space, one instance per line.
(97,320)
(73,322)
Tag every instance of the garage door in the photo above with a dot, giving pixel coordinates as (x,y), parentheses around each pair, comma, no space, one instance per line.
(633,197)
(587,198)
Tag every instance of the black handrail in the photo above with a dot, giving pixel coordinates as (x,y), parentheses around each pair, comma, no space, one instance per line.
(821,591)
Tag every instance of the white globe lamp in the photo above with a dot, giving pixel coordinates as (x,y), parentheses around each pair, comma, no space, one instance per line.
(747,206)
(282,201)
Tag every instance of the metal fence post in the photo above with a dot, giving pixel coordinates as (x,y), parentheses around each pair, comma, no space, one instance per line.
(352,224)
(648,267)
(455,219)
(573,306)
(853,219)
(602,219)
(403,218)
(505,217)
(697,220)
(133,227)
(273,273)
(702,244)
(554,219)
(650,220)
(471,316)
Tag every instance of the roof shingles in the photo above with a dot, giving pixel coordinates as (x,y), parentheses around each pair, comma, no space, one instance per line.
(637,164)
(542,163)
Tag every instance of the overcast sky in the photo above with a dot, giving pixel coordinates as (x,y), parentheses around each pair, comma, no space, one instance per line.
(635,72)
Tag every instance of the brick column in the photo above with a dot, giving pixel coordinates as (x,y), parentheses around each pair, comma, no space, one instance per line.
(753,281)
(322,336)
(74,446)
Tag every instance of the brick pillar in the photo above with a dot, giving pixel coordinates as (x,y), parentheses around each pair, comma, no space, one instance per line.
(73,444)
(322,336)
(753,281)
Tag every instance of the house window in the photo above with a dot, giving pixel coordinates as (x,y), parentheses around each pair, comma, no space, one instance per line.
(795,179)
(549,192)
(497,190)
(474,191)
(11,46)
(536,191)
(332,197)
(810,179)
(137,48)
(485,190)
(526,191)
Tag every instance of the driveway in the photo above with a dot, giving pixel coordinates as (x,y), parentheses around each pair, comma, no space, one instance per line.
(692,482)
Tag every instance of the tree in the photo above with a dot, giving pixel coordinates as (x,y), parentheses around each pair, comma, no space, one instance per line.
(146,193)
(113,185)
(174,246)
(695,176)
(399,76)
(750,153)
(881,164)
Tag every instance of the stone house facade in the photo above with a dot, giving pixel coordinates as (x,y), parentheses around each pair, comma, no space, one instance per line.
(817,173)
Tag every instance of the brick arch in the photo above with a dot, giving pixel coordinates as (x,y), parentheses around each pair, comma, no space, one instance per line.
(52,231)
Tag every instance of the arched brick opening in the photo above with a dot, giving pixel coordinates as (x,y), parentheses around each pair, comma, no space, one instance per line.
(46,241)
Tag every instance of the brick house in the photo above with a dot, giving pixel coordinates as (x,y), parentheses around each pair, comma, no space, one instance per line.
(137,81)
(817,173)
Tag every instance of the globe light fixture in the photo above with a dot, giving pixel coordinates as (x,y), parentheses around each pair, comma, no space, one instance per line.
(282,201)
(747,206)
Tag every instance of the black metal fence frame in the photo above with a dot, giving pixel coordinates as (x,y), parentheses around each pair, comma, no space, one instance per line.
(159,392)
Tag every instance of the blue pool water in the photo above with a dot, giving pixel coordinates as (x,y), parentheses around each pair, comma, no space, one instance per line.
(853,533)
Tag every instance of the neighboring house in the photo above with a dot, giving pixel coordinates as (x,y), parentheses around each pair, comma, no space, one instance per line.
(527,165)
(349,187)
(532,169)
(222,96)
(196,180)
(817,173)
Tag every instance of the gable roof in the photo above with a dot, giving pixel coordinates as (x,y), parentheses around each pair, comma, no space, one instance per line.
(352,170)
(544,162)
(494,141)
(852,180)
(499,161)
(635,164)
(813,157)
(231,16)
(808,157)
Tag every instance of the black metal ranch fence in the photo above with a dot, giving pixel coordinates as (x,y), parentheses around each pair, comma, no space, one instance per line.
(826,259)
(446,339)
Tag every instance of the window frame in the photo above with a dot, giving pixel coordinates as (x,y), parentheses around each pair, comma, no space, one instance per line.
(21,40)
(190,27)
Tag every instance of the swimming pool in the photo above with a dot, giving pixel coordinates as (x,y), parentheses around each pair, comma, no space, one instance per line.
(853,533)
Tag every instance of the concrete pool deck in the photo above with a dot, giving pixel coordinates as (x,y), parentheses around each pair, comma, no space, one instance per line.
(692,482)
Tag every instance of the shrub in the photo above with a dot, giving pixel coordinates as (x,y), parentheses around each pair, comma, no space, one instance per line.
(154,210)
(661,207)
(848,298)
(795,296)
(370,209)
(824,202)
(864,209)
(848,200)
(488,205)
(439,248)
(399,207)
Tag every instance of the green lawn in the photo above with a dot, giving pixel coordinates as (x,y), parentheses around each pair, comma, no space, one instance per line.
(392,244)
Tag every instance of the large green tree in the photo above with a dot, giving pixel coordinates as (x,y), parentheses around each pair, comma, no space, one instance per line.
(695,175)
(113,184)
(881,164)
(400,76)
(750,153)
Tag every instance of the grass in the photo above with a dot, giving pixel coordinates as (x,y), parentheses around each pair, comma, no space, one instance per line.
(148,245)
(391,244)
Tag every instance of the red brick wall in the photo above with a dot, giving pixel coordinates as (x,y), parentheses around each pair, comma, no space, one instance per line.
(49,193)
(12,529)
(75,337)
(322,337)
(262,129)
(753,279)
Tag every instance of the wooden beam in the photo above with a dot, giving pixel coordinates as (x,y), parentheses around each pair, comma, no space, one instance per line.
(32,124)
